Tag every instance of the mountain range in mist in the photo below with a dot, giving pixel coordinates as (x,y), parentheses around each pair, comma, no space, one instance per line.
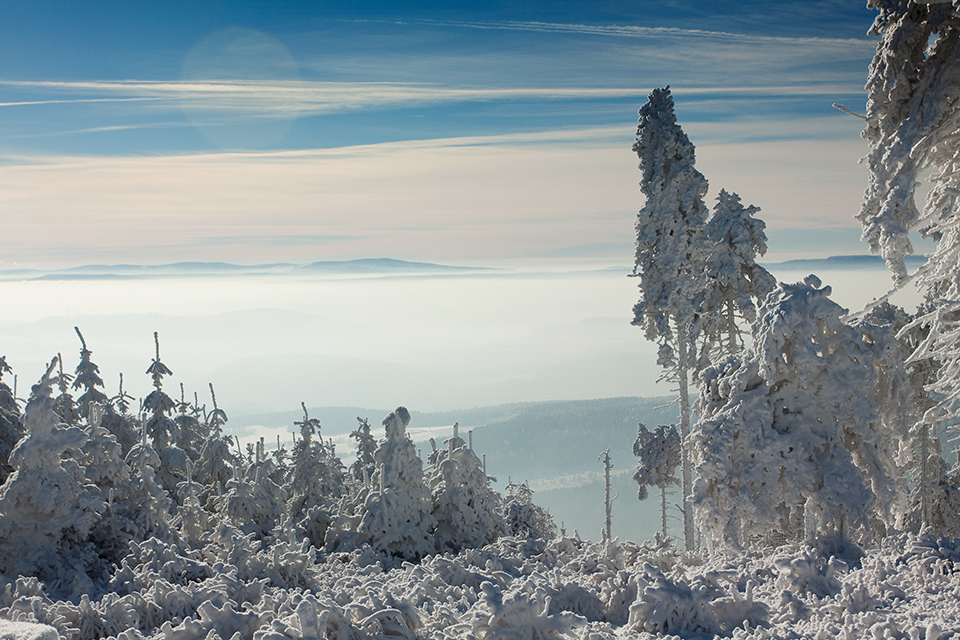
(366,267)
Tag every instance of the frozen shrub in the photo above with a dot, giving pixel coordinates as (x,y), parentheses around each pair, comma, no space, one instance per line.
(467,510)
(523,518)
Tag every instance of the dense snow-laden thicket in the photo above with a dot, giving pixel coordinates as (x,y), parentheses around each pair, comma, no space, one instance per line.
(799,435)
(237,587)
(77,502)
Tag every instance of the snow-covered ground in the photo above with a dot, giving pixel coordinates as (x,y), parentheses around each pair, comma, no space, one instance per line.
(562,588)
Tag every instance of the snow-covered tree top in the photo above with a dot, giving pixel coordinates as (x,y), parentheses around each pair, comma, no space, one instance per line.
(157,369)
(396,423)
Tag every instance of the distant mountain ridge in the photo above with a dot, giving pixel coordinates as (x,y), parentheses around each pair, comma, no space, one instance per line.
(842,263)
(363,266)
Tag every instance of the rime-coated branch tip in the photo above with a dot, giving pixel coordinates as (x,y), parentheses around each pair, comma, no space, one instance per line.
(837,105)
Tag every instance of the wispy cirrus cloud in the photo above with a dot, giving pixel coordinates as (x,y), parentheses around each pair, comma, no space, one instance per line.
(631,31)
(285,99)
(297,98)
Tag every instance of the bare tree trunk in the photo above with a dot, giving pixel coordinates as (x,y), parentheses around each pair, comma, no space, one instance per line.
(924,477)
(607,501)
(663,509)
(687,479)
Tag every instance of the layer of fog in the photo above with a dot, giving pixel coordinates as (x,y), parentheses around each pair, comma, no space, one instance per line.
(430,343)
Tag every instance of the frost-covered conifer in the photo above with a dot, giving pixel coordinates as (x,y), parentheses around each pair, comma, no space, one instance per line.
(670,255)
(216,463)
(101,457)
(64,405)
(192,432)
(147,505)
(162,429)
(522,517)
(253,502)
(659,457)
(118,420)
(11,429)
(46,504)
(913,115)
(466,509)
(192,520)
(798,435)
(392,514)
(87,377)
(364,465)
(736,283)
(315,480)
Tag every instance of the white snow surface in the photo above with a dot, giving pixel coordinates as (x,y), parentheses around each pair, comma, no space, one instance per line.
(26,631)
(235,588)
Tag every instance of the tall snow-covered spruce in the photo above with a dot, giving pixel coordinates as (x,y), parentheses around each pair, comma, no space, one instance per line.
(912,124)
(671,257)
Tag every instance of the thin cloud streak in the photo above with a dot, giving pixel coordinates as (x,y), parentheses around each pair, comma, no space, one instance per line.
(629,31)
(30,103)
(285,99)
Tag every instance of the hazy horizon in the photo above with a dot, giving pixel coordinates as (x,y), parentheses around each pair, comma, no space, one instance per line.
(425,341)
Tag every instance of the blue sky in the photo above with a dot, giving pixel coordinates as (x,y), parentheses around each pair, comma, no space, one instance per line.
(477,133)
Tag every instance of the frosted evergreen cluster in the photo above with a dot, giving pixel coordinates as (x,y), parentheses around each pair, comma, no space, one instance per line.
(80,498)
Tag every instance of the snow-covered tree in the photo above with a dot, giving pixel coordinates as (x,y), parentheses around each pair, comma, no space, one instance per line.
(64,404)
(118,420)
(11,429)
(147,505)
(365,464)
(87,377)
(524,519)
(315,480)
(659,457)
(162,429)
(47,506)
(736,283)
(393,514)
(216,463)
(912,119)
(101,457)
(670,256)
(798,435)
(192,432)
(466,508)
(913,113)
(253,502)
